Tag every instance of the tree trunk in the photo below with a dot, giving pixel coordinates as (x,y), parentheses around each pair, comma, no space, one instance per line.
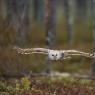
(18,18)
(81,6)
(89,8)
(50,23)
(69,20)
(2,9)
(93,14)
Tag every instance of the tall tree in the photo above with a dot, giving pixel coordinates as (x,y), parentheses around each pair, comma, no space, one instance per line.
(68,6)
(18,18)
(2,9)
(81,7)
(41,10)
(50,23)
(93,14)
(89,8)
(35,4)
(38,10)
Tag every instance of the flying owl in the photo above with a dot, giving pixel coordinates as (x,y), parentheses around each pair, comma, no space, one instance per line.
(54,54)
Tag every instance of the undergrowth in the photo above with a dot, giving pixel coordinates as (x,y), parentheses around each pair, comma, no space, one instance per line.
(49,86)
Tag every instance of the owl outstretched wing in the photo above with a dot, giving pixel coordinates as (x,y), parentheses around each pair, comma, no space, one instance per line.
(71,53)
(31,50)
(54,54)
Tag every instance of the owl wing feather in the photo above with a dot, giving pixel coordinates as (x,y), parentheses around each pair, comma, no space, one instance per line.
(71,53)
(31,50)
(66,53)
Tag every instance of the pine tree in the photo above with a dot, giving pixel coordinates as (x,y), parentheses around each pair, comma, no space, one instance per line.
(50,23)
(93,14)
(68,7)
(17,16)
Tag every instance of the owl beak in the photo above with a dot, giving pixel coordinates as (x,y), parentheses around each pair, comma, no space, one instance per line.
(55,58)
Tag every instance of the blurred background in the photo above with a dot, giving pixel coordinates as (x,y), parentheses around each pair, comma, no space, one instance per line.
(56,24)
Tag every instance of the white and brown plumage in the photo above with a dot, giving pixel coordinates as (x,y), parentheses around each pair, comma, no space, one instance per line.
(54,54)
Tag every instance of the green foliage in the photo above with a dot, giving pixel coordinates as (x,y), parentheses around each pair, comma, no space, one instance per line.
(17,88)
(25,83)
(10,89)
(6,88)
(3,87)
(85,82)
(50,85)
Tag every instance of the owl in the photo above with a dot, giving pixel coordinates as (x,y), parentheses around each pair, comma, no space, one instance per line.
(54,54)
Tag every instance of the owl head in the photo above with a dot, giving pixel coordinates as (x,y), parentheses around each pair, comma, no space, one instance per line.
(55,55)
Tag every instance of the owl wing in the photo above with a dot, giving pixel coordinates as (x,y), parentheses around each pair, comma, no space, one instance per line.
(71,53)
(31,50)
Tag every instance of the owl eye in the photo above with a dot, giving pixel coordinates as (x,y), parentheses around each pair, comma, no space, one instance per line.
(62,55)
(52,55)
